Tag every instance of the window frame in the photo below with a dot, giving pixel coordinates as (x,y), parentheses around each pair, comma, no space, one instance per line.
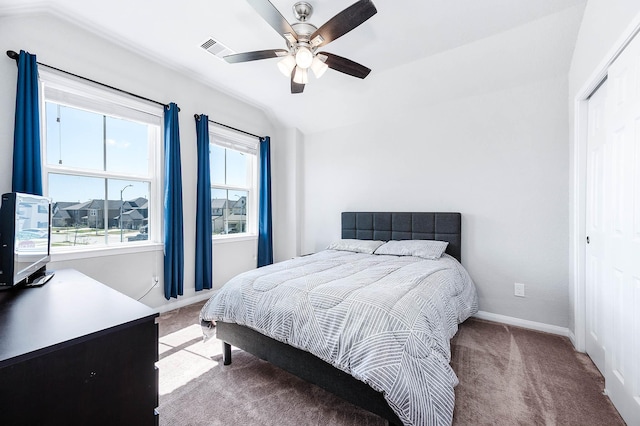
(60,88)
(224,137)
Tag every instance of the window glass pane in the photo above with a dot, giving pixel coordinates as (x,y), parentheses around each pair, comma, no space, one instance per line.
(129,208)
(237,220)
(216,164)
(127,146)
(79,207)
(237,168)
(218,210)
(74,137)
(228,211)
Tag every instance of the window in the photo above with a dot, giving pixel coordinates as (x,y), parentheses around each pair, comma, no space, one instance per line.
(233,165)
(101,159)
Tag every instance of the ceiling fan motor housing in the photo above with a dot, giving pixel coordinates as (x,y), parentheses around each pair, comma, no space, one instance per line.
(304,31)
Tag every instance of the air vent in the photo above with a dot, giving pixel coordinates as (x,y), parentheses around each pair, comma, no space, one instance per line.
(216,48)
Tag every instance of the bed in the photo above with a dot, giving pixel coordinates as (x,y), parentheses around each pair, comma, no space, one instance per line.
(348,299)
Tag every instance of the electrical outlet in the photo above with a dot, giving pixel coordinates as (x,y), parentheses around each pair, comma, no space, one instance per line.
(518,289)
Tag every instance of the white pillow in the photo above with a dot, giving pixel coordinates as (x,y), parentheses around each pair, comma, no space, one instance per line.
(427,249)
(358,246)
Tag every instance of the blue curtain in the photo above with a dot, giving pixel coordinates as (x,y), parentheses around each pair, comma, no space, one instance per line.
(203,207)
(27,168)
(265,237)
(173,229)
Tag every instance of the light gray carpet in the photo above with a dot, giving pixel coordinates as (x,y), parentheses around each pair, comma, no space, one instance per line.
(513,376)
(508,376)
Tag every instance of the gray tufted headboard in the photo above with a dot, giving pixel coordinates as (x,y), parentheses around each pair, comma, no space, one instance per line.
(405,226)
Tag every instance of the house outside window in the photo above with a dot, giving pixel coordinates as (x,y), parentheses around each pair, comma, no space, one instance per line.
(233,163)
(101,158)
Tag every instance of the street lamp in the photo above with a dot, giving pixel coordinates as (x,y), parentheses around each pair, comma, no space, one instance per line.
(121,203)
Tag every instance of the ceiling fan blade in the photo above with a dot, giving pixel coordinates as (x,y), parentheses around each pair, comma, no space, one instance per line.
(273,17)
(296,87)
(256,55)
(345,65)
(345,21)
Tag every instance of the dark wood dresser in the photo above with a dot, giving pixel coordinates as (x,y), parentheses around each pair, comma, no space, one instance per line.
(76,352)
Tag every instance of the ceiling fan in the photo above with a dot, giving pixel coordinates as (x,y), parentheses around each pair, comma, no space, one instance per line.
(304,39)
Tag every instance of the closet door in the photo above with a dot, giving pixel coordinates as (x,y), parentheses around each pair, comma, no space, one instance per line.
(621,260)
(595,287)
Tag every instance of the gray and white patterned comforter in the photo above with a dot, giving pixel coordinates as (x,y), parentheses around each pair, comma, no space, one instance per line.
(386,320)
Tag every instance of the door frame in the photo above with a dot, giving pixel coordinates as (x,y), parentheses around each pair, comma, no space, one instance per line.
(578,184)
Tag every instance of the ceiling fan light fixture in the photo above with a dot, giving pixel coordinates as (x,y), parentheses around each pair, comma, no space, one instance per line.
(301,76)
(304,57)
(318,67)
(286,65)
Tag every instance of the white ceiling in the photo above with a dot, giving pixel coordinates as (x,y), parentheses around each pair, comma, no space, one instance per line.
(417,49)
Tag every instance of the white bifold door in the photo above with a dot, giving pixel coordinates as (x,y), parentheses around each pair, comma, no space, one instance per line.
(613,229)
(595,283)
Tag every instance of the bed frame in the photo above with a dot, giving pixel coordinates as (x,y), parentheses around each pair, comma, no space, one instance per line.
(355,225)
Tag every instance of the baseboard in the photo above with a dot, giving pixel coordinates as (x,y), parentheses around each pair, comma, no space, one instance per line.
(183,302)
(533,325)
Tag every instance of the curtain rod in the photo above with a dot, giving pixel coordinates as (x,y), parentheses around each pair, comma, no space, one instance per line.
(197,116)
(15,56)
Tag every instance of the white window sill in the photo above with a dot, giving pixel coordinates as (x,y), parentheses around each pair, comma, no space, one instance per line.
(224,239)
(61,255)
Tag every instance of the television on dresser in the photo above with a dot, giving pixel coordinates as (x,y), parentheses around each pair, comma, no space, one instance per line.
(25,239)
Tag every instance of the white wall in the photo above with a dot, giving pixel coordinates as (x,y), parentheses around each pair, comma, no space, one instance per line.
(63,45)
(606,23)
(499,158)
(287,177)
